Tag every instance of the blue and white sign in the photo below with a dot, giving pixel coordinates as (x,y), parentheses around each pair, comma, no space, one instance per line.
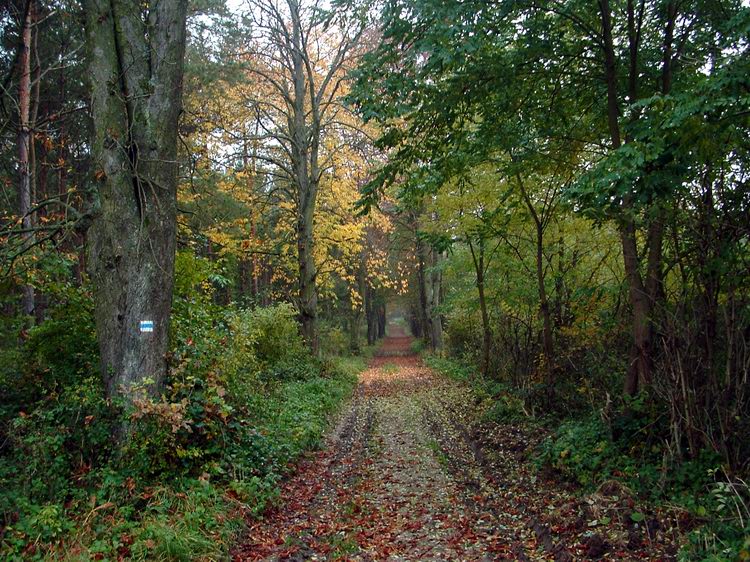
(147,325)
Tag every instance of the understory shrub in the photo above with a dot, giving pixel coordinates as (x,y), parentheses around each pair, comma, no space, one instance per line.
(292,369)
(334,341)
(594,442)
(242,401)
(591,451)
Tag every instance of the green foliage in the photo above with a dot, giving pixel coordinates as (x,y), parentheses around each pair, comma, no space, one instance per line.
(417,346)
(308,404)
(272,333)
(48,456)
(256,492)
(343,366)
(450,368)
(333,340)
(292,369)
(506,407)
(585,451)
(463,336)
(192,275)
(58,352)
(241,403)
(184,523)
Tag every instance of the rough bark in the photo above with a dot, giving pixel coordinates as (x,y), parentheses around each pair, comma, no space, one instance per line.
(136,76)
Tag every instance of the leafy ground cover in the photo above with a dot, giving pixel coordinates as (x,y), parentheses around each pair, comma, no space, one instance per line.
(414,471)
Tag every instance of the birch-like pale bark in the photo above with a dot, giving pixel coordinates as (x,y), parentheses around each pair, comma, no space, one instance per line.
(24,146)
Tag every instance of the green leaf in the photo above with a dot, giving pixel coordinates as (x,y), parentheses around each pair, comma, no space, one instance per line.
(637,516)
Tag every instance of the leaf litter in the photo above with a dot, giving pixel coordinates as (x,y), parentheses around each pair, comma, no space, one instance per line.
(411,472)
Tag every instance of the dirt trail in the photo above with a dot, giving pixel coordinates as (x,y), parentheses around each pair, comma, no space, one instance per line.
(405,477)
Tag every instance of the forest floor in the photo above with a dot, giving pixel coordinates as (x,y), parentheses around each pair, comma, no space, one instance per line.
(411,473)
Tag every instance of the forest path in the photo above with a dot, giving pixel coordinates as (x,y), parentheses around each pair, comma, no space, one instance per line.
(404,477)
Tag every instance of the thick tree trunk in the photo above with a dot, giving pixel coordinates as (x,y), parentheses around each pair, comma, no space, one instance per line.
(381,320)
(24,147)
(136,73)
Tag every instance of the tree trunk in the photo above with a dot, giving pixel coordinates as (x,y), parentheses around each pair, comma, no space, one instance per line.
(371,317)
(477,257)
(544,309)
(304,158)
(24,147)
(424,304)
(436,320)
(639,370)
(354,328)
(308,294)
(547,339)
(359,310)
(136,76)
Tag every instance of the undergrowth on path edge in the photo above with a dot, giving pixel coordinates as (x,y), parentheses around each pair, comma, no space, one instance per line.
(591,451)
(191,517)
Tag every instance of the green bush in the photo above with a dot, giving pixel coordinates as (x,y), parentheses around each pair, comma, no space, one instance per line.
(463,335)
(725,534)
(506,407)
(582,450)
(417,346)
(68,431)
(589,451)
(334,341)
(241,402)
(271,332)
(59,351)
(344,366)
